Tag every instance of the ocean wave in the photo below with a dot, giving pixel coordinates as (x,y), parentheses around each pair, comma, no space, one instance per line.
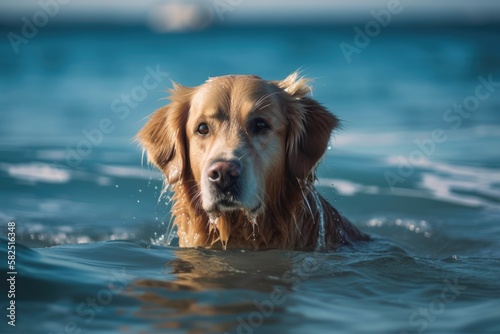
(461,185)
(37,172)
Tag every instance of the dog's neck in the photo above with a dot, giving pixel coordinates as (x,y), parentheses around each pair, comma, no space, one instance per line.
(292,208)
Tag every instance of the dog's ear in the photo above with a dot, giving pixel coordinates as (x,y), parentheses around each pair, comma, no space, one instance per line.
(164,135)
(309,126)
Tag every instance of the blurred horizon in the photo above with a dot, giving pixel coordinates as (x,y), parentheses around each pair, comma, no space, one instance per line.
(175,15)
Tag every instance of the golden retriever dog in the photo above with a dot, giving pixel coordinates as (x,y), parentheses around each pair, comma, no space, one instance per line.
(240,155)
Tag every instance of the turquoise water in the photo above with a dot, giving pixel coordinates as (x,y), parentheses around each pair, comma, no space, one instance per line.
(421,178)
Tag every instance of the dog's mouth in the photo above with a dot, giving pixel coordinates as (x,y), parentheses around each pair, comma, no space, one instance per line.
(228,202)
(236,197)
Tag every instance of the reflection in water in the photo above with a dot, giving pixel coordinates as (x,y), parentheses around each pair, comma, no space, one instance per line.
(202,276)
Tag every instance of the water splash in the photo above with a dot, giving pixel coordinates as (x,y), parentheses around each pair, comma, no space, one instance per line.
(213,220)
(253,221)
(321,243)
(172,235)
(184,236)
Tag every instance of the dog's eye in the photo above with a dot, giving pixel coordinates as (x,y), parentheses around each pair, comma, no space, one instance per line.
(202,129)
(259,125)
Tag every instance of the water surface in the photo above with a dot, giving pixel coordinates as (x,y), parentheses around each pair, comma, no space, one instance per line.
(92,252)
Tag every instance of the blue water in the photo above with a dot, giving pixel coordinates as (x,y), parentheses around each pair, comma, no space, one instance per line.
(91,244)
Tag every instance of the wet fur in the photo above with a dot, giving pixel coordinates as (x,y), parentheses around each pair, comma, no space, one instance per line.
(289,218)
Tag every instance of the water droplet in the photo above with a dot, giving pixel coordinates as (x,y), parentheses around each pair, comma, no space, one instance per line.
(140,190)
(213,220)
(138,201)
(116,186)
(321,243)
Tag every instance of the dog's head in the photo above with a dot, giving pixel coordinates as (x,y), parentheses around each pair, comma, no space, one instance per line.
(238,139)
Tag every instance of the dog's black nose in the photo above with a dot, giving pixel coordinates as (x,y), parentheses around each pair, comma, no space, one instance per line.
(224,174)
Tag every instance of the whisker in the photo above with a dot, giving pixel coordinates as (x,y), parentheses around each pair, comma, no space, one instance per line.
(261,100)
(265,106)
(239,158)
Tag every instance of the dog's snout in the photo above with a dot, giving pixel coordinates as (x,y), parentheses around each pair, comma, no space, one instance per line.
(224,173)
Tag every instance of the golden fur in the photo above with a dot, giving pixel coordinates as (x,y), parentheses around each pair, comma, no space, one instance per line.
(270,136)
